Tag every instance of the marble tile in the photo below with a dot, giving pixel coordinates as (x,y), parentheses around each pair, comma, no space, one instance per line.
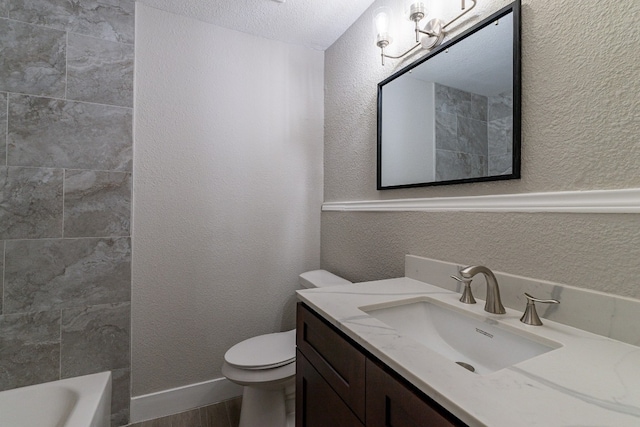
(500,136)
(501,165)
(96,204)
(3,129)
(4,8)
(63,273)
(451,100)
(108,20)
(120,397)
(214,415)
(95,339)
(477,107)
(56,133)
(29,349)
(500,106)
(33,59)
(99,71)
(455,165)
(30,203)
(447,132)
(472,136)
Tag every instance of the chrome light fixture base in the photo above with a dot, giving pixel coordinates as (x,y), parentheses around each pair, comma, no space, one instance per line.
(429,37)
(433,34)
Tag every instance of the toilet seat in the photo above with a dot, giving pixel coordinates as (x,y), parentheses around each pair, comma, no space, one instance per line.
(263,378)
(263,352)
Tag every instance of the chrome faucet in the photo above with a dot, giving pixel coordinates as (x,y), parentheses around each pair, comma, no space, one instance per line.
(493,304)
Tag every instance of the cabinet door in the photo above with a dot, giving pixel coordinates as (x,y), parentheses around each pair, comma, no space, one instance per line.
(317,404)
(340,364)
(392,404)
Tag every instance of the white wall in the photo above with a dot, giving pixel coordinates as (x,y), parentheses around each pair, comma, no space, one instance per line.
(227,192)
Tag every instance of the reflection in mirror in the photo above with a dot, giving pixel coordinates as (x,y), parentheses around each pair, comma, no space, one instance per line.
(454,116)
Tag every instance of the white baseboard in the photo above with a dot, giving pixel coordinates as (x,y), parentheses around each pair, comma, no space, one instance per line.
(181,399)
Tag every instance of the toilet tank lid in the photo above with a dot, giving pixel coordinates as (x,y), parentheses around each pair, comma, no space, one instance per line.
(321,278)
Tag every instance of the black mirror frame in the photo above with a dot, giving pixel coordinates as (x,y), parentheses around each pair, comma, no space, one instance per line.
(517,100)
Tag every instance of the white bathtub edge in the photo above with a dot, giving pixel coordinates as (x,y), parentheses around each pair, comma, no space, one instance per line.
(181,399)
(86,402)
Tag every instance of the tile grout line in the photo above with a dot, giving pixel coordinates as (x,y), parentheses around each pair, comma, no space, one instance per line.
(69,238)
(64,180)
(71,169)
(60,348)
(67,31)
(57,98)
(66,65)
(6,135)
(4,268)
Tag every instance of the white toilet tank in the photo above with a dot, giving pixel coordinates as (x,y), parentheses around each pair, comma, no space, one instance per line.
(321,278)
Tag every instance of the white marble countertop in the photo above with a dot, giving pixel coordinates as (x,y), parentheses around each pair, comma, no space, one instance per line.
(590,381)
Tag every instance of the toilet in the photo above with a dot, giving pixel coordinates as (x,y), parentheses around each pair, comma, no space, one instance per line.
(265,367)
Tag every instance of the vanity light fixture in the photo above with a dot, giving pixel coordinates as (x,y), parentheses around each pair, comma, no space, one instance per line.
(428,37)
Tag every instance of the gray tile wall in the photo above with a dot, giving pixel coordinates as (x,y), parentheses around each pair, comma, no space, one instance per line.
(66,108)
(500,133)
(461,134)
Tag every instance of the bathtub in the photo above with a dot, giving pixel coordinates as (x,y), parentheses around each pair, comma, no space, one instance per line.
(75,402)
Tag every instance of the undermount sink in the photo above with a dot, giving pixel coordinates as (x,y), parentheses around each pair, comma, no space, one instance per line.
(478,343)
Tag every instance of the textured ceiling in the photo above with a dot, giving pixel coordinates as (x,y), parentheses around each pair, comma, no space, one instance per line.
(312,23)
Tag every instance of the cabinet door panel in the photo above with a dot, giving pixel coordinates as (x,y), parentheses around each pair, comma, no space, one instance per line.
(336,360)
(317,404)
(391,404)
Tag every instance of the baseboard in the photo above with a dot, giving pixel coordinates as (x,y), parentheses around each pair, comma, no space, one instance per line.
(180,399)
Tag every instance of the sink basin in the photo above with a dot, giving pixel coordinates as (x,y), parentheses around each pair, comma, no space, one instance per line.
(477,343)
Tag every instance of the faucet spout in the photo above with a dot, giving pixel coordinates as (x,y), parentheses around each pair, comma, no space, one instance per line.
(494,303)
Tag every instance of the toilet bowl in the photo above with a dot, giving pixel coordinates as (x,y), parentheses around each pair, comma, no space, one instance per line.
(265,366)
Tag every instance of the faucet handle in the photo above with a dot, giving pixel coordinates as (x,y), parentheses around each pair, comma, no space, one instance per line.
(467,296)
(530,316)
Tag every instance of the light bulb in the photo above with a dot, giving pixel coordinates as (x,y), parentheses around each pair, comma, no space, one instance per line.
(382,18)
(382,22)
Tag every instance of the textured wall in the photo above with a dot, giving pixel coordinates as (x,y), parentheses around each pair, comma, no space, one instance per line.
(581,104)
(66,109)
(227,190)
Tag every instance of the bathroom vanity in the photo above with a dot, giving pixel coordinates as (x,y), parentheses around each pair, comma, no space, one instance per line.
(354,369)
(338,383)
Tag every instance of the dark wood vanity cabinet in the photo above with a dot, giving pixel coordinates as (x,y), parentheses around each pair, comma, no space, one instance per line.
(338,384)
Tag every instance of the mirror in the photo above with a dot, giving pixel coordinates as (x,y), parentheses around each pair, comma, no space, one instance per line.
(454,115)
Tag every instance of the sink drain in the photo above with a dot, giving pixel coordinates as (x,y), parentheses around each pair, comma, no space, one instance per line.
(467,366)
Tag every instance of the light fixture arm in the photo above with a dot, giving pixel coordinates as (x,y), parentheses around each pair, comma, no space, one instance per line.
(419,31)
(435,29)
(465,11)
(384,55)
